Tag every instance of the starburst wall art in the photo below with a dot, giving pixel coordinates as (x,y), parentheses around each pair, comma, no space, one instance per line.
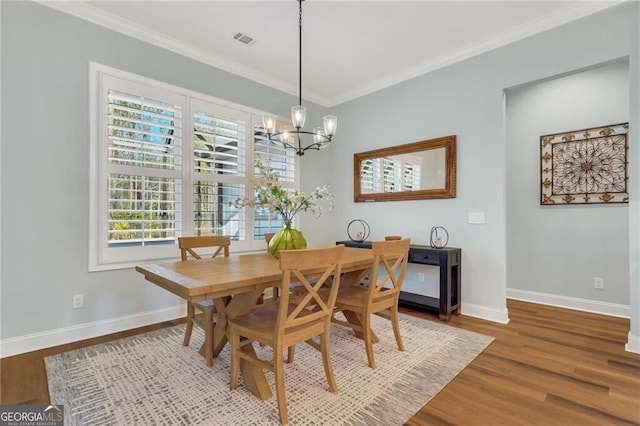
(585,166)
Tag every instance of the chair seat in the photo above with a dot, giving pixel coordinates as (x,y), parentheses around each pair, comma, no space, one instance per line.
(357,297)
(204,304)
(353,296)
(262,320)
(205,308)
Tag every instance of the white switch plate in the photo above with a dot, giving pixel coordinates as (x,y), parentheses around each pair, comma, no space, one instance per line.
(476,217)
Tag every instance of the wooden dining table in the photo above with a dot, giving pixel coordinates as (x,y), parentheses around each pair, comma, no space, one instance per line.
(235,284)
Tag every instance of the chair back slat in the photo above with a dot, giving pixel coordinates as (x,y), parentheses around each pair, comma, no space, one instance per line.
(389,268)
(188,244)
(316,296)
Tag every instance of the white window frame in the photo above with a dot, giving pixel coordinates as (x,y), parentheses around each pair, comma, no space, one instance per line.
(102,257)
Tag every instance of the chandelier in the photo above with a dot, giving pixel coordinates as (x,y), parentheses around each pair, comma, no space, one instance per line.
(295,137)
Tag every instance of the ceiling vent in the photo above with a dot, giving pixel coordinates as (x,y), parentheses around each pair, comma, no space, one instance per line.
(243,38)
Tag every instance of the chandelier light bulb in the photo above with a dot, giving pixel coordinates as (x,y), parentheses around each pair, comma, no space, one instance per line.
(318,135)
(330,124)
(269,123)
(286,135)
(298,115)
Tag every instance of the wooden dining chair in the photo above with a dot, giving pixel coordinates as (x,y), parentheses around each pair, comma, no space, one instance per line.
(203,313)
(268,236)
(294,319)
(380,297)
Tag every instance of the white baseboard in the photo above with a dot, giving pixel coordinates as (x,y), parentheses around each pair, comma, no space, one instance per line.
(633,344)
(593,306)
(586,305)
(486,313)
(32,342)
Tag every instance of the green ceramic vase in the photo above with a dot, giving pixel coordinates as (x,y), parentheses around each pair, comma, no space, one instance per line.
(286,238)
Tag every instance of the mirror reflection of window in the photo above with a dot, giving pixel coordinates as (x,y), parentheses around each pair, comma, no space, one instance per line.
(389,175)
(414,171)
(405,172)
(367,176)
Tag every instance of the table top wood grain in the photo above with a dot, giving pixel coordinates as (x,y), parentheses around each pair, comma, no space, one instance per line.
(234,274)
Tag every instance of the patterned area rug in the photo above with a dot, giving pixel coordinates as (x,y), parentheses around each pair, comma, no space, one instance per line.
(151,379)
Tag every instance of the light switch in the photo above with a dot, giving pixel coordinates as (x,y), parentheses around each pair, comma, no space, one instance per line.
(476,217)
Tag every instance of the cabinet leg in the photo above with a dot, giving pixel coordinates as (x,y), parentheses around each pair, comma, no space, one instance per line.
(445,317)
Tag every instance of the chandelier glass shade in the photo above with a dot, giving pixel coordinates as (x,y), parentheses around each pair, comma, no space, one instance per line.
(294,137)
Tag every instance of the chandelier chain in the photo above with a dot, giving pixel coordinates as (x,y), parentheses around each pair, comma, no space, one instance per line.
(300,51)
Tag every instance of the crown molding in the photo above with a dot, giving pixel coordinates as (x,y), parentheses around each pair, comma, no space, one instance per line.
(544,23)
(85,11)
(89,13)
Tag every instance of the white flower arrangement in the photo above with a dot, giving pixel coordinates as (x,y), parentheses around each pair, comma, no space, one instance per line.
(272,196)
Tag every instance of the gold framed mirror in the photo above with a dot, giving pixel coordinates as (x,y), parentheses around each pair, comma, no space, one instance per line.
(414,171)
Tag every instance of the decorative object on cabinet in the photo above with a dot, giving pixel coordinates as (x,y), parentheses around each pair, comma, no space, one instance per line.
(414,171)
(358,230)
(438,237)
(586,166)
(449,261)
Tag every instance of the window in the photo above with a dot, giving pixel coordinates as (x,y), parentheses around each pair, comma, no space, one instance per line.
(143,168)
(167,162)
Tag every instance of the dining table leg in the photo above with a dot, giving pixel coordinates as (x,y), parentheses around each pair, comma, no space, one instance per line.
(252,375)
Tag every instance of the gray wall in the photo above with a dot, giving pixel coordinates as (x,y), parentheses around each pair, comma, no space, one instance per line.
(44,169)
(560,249)
(466,99)
(45,147)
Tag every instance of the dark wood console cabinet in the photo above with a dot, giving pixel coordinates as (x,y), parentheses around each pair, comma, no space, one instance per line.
(449,260)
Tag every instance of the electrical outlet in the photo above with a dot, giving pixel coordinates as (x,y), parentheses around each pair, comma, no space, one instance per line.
(598,283)
(421,276)
(78,301)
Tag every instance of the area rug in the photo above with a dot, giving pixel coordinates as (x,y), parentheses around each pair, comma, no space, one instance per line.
(151,379)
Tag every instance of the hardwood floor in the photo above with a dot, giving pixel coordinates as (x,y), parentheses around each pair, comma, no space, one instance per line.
(23,378)
(548,366)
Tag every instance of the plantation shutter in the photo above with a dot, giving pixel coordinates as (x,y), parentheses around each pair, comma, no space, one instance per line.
(220,170)
(215,143)
(143,168)
(280,160)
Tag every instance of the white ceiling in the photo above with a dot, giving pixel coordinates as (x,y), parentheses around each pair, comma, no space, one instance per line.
(350,48)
